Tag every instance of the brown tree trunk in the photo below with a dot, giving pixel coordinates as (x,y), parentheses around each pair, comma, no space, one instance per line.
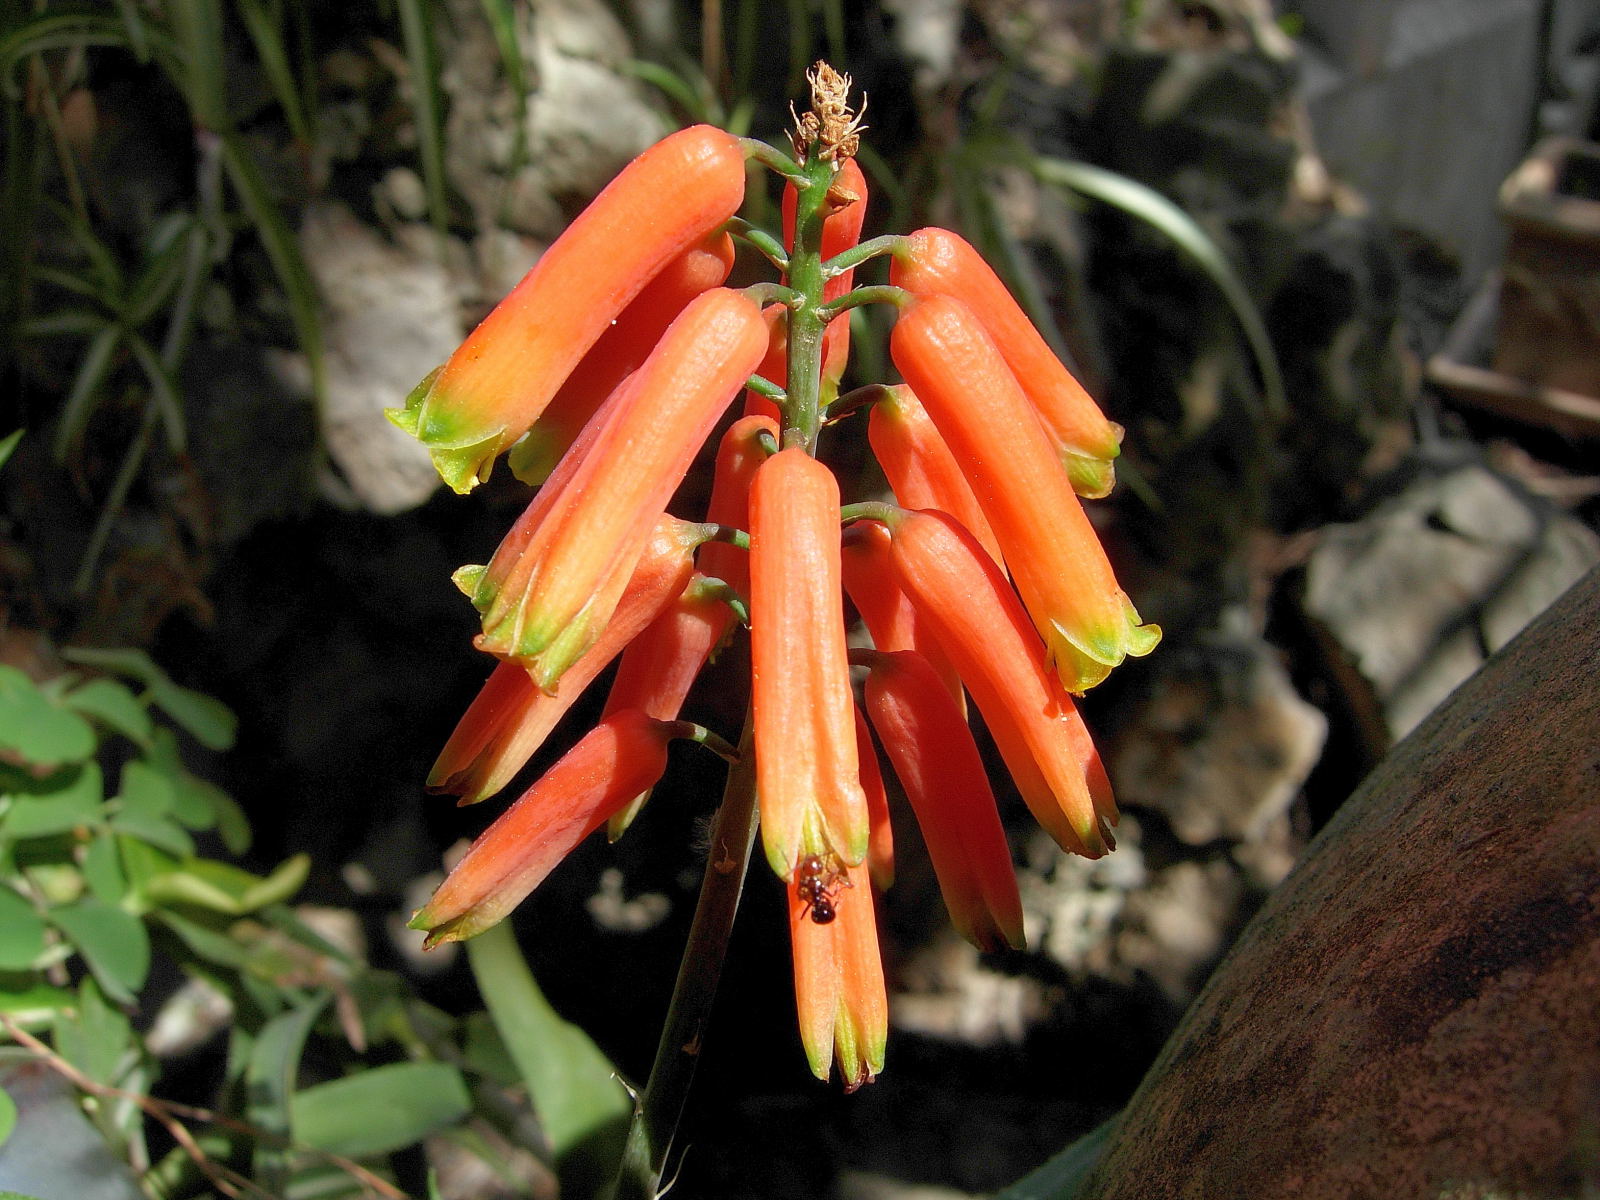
(1416,1011)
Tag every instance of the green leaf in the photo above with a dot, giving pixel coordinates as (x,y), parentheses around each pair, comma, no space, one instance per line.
(197,28)
(1063,1177)
(93,370)
(94,1037)
(210,944)
(8,444)
(226,815)
(574,1087)
(114,706)
(75,803)
(1148,205)
(161,832)
(8,1122)
(224,888)
(427,105)
(283,249)
(190,804)
(146,793)
(378,1111)
(35,728)
(27,1001)
(163,390)
(265,23)
(102,869)
(208,720)
(142,863)
(269,1083)
(21,932)
(66,322)
(134,663)
(112,942)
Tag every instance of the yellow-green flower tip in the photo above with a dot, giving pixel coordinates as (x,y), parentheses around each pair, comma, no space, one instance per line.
(462,455)
(618,822)
(534,457)
(1092,478)
(1084,657)
(468,579)
(457,929)
(465,467)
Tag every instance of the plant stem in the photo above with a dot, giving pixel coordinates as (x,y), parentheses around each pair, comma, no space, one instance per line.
(659,1108)
(802,409)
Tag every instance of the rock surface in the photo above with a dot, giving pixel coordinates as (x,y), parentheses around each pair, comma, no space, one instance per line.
(1413,1013)
(390,315)
(1417,594)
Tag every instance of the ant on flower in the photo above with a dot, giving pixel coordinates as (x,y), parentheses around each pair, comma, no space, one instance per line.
(818,886)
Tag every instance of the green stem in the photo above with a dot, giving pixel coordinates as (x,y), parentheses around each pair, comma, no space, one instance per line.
(872,510)
(881,293)
(861,397)
(849,260)
(773,158)
(765,387)
(802,410)
(656,1116)
(759,238)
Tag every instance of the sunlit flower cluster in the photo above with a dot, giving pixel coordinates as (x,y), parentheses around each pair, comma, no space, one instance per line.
(603,374)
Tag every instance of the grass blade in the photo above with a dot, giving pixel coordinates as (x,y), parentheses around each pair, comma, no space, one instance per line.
(200,69)
(1150,206)
(502,17)
(163,391)
(8,444)
(265,26)
(80,322)
(284,251)
(133,22)
(575,1090)
(427,105)
(92,374)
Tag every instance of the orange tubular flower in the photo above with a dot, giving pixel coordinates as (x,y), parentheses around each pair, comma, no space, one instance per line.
(960,592)
(620,757)
(920,467)
(935,262)
(838,980)
(620,350)
(660,665)
(807,773)
(1088,623)
(578,560)
(739,457)
(938,765)
(498,382)
(774,364)
(512,715)
(880,845)
(841,230)
(886,610)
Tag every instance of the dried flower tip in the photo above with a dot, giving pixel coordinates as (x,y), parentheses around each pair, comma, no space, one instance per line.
(831,127)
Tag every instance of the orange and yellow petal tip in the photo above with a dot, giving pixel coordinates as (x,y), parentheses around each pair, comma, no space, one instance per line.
(462,456)
(1084,657)
(1092,478)
(858,1054)
(454,929)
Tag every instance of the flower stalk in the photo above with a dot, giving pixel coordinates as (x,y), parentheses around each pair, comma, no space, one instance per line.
(598,567)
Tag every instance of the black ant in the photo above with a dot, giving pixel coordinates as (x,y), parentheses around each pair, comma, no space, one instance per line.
(818,886)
